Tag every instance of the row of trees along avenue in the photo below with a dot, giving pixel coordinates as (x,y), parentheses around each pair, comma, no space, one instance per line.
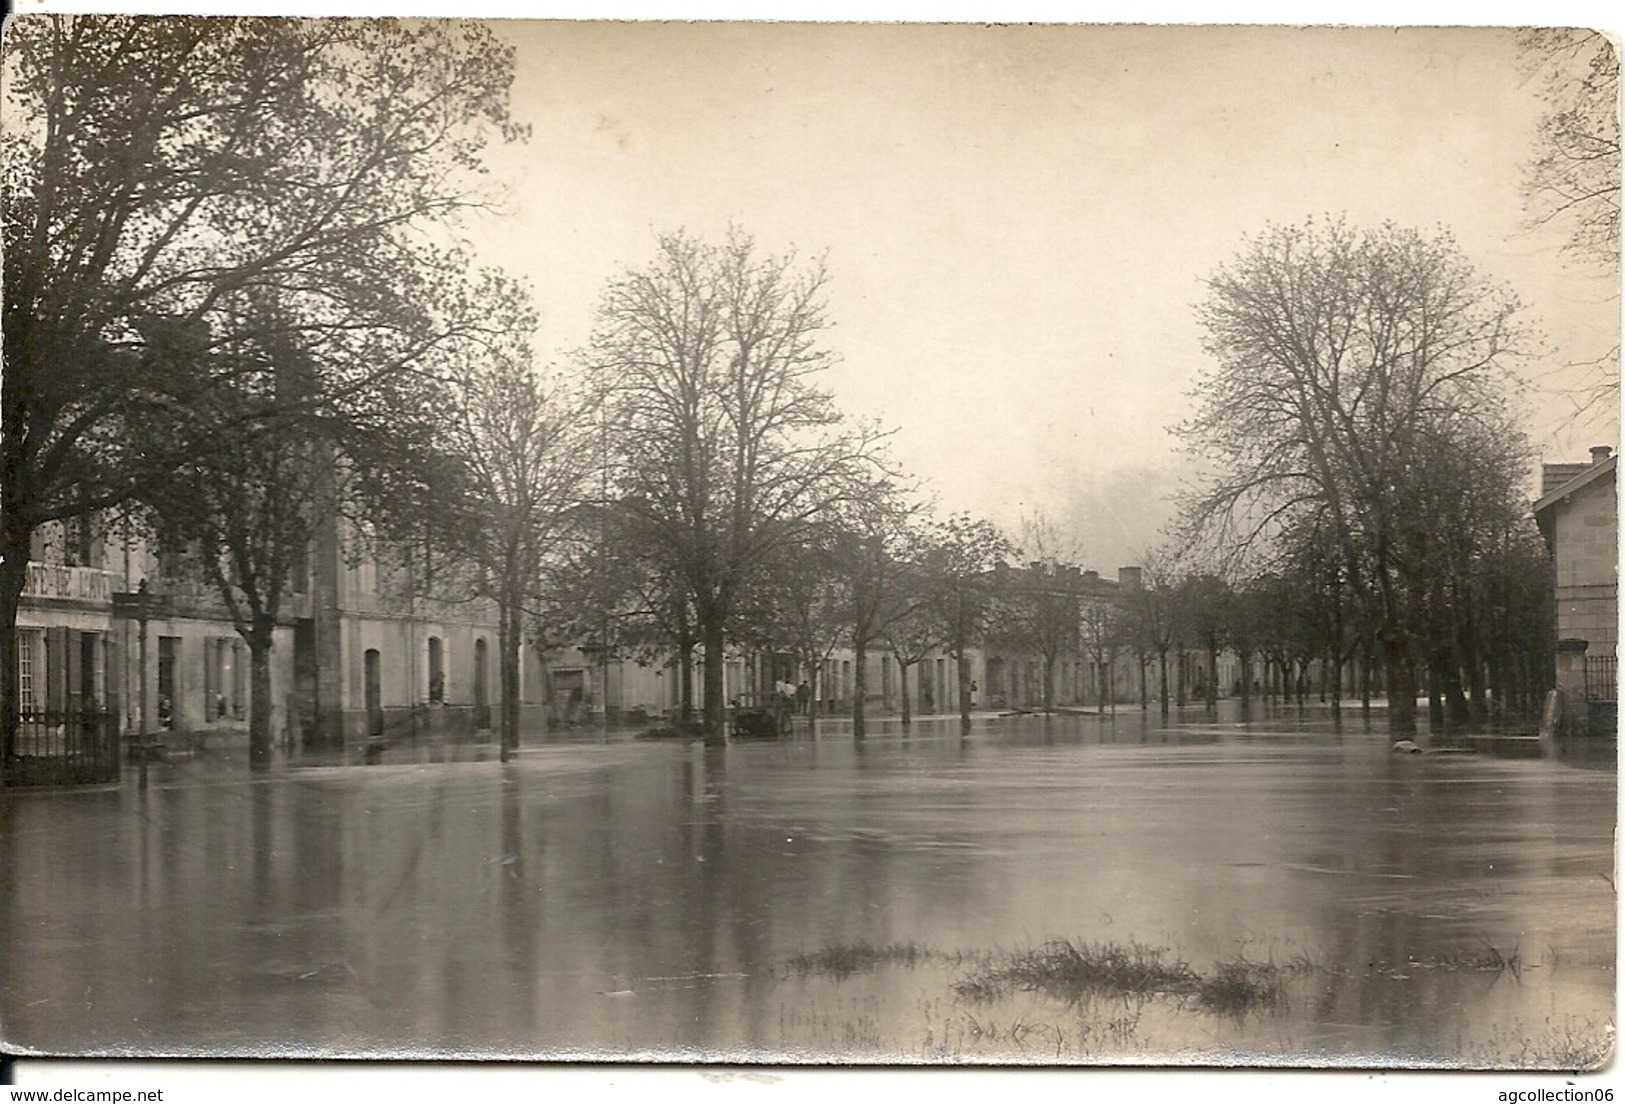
(236,308)
(1290,631)
(1357,424)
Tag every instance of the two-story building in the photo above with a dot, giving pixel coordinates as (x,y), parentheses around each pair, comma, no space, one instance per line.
(1578,514)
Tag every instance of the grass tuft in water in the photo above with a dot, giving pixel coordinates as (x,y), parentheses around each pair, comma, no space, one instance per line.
(843,960)
(1577,1045)
(1239,987)
(1071,972)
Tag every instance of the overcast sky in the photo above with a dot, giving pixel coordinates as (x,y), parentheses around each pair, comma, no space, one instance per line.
(1018,220)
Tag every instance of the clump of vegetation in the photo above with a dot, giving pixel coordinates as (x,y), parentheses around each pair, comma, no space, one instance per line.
(1066,971)
(1580,1045)
(1073,973)
(843,960)
(1236,988)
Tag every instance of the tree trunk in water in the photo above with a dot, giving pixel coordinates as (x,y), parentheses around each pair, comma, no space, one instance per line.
(1213,678)
(1457,712)
(508,676)
(860,686)
(685,680)
(1478,698)
(1049,684)
(1162,674)
(1495,687)
(962,669)
(716,733)
(902,684)
(259,700)
(1399,680)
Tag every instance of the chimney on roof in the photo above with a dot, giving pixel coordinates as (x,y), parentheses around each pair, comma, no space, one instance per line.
(1599,453)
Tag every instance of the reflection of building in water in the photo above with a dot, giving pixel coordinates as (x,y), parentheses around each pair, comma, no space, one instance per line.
(1578,515)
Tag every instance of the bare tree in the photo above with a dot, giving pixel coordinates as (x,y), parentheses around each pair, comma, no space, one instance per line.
(1153,611)
(1041,608)
(911,630)
(1101,631)
(960,559)
(1207,600)
(727,449)
(1573,178)
(875,548)
(524,444)
(799,598)
(1345,360)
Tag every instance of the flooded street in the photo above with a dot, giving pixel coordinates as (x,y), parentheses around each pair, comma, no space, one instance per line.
(817,899)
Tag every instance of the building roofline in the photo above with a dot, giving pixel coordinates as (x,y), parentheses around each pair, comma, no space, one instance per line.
(1593,472)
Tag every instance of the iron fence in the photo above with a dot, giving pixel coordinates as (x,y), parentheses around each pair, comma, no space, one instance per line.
(1602,678)
(59,748)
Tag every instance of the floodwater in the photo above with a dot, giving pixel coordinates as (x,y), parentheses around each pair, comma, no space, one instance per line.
(625,899)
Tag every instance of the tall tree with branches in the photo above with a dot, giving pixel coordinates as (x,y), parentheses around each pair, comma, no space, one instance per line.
(727,449)
(169,175)
(1343,360)
(1102,627)
(1572,179)
(525,445)
(875,547)
(961,559)
(278,457)
(1041,609)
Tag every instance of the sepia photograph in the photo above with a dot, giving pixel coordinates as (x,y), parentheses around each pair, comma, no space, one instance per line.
(783,544)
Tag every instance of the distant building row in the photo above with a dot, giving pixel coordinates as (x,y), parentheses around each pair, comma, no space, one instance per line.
(362,651)
(364,648)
